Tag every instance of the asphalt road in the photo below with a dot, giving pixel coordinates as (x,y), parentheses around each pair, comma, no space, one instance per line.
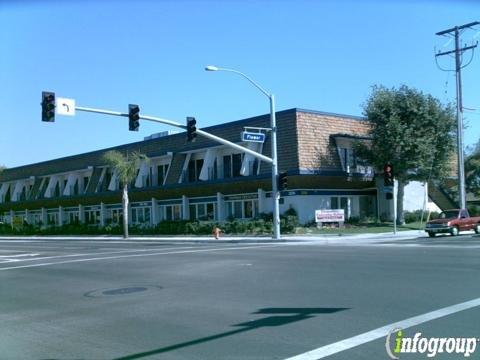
(104,299)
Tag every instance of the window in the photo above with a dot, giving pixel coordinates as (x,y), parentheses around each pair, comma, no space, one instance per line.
(106,181)
(56,192)
(232,165)
(341,202)
(52,218)
(161,174)
(23,194)
(75,188)
(366,206)
(72,216)
(116,216)
(172,212)
(348,158)
(92,217)
(141,215)
(194,168)
(86,179)
(242,209)
(36,218)
(8,195)
(205,211)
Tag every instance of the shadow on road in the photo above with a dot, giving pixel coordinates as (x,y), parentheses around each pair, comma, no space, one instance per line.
(283,316)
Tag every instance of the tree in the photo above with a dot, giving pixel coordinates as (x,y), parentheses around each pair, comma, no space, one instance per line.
(125,167)
(472,171)
(411,130)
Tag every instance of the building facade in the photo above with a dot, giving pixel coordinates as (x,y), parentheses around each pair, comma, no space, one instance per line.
(204,180)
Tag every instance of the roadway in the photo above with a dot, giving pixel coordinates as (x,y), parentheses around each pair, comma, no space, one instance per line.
(116,299)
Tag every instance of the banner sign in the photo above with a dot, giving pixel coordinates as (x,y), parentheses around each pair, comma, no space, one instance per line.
(334,215)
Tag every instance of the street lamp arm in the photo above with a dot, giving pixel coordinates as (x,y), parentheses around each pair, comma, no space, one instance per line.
(266,93)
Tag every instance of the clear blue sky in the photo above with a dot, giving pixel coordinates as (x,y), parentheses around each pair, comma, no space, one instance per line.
(319,55)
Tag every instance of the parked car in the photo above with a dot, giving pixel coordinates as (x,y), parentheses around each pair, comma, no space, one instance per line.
(453,221)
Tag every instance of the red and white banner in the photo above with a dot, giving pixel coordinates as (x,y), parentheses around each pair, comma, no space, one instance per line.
(334,215)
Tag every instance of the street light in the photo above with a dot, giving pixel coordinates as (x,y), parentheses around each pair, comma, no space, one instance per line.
(273,125)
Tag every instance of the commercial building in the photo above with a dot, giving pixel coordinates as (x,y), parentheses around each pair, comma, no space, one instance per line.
(205,180)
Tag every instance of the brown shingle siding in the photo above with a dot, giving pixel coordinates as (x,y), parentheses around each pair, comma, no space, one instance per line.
(315,146)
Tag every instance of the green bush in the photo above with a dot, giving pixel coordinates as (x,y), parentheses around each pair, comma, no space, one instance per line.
(261,225)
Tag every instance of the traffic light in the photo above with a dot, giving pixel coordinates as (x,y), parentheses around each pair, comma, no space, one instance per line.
(191,129)
(48,106)
(388,178)
(282,181)
(133,117)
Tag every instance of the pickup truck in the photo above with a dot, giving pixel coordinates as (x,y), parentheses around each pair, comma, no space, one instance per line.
(453,221)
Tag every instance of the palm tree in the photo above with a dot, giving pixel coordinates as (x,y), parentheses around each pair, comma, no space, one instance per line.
(125,168)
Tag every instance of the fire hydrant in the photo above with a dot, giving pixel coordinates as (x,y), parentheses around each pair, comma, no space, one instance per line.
(216,232)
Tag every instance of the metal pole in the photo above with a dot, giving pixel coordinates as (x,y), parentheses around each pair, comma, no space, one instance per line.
(173,123)
(461,167)
(395,193)
(273,125)
(275,193)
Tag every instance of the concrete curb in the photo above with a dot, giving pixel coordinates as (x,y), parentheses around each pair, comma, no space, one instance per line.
(330,239)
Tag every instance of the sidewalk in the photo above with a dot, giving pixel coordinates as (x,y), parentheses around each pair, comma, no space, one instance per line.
(320,239)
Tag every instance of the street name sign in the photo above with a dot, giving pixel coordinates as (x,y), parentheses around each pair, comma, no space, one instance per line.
(253,137)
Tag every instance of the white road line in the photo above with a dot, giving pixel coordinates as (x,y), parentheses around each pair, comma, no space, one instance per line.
(361,339)
(94,254)
(18,255)
(139,255)
(436,246)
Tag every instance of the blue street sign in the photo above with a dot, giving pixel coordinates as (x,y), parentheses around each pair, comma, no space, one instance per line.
(253,137)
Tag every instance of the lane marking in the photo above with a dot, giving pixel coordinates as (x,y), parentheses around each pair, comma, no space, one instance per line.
(16,258)
(139,255)
(436,246)
(94,254)
(383,331)
(18,255)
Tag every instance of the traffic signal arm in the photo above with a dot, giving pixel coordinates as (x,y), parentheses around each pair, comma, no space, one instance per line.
(205,134)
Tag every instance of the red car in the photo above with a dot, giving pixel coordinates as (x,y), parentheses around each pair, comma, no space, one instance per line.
(452,222)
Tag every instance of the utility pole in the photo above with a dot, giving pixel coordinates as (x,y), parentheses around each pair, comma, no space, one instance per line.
(455,32)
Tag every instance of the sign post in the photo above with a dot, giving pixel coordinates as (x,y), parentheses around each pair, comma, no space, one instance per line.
(395,191)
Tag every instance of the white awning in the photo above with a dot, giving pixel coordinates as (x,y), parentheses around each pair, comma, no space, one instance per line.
(71,180)
(142,174)
(17,190)
(249,159)
(51,187)
(208,164)
(113,182)
(3,190)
